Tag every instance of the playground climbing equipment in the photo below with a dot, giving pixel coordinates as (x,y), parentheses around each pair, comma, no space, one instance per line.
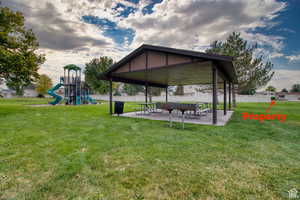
(75,91)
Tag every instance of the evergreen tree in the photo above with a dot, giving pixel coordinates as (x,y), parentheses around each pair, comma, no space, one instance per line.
(251,72)
(295,88)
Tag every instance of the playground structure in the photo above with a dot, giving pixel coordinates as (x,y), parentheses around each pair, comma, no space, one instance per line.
(75,91)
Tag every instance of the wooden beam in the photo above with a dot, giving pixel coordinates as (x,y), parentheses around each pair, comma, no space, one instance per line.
(110,97)
(167,59)
(129,66)
(214,94)
(146,93)
(208,63)
(150,94)
(225,98)
(138,82)
(146,87)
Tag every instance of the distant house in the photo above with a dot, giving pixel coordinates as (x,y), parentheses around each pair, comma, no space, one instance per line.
(192,90)
(288,96)
(8,93)
(30,93)
(5,91)
(266,93)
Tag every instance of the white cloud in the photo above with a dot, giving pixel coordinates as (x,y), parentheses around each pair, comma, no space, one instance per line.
(276,42)
(287,30)
(285,78)
(188,24)
(63,37)
(268,53)
(293,58)
(276,55)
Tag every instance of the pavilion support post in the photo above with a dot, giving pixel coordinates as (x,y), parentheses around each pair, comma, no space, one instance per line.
(214,94)
(150,94)
(225,98)
(166,94)
(233,95)
(146,86)
(229,95)
(64,82)
(69,88)
(146,93)
(110,97)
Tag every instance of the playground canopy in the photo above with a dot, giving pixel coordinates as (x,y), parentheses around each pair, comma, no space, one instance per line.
(159,66)
(72,67)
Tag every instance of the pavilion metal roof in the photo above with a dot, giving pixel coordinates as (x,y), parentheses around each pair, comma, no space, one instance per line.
(196,71)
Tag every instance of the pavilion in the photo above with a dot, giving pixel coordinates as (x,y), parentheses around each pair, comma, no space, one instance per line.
(157,66)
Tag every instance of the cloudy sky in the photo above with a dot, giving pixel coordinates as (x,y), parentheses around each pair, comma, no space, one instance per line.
(75,31)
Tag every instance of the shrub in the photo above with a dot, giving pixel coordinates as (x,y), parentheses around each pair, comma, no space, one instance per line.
(117,93)
(247,92)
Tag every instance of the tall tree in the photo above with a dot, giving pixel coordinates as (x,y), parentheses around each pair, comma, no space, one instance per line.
(179,90)
(271,88)
(156,91)
(17,85)
(116,89)
(132,89)
(93,72)
(44,84)
(252,72)
(19,62)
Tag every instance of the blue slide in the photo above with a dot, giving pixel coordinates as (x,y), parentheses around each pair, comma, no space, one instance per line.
(51,92)
(91,100)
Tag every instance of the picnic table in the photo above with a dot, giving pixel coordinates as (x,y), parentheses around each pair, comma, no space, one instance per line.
(185,108)
(189,109)
(147,107)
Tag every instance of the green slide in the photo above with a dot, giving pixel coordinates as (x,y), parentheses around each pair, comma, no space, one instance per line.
(51,92)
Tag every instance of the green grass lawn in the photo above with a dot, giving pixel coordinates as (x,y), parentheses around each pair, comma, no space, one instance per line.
(80,152)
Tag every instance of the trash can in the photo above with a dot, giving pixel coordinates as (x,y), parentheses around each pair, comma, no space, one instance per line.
(119,107)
